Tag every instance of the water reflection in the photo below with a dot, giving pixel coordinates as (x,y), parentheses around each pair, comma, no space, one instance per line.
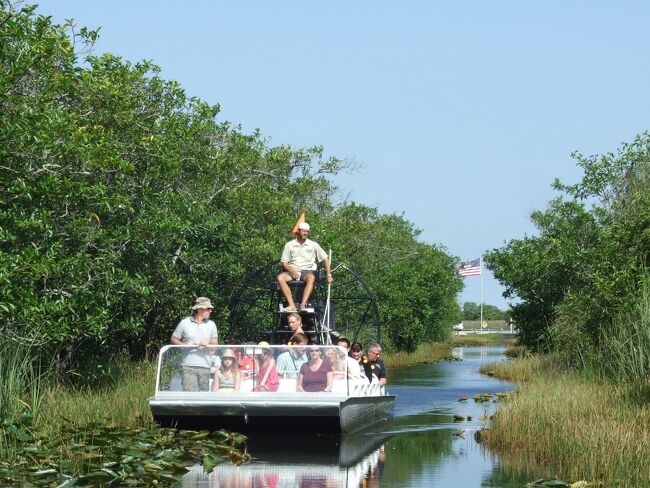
(301,461)
(422,447)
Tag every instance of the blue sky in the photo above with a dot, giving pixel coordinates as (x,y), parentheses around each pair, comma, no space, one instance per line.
(460,113)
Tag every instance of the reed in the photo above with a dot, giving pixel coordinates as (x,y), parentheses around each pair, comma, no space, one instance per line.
(625,346)
(23,377)
(425,353)
(23,381)
(122,404)
(571,427)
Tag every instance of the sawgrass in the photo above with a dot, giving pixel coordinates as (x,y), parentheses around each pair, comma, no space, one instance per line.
(570,426)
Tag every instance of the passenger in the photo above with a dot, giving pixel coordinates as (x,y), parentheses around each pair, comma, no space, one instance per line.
(316,375)
(268,378)
(373,365)
(356,352)
(289,362)
(196,330)
(299,261)
(354,367)
(246,362)
(215,361)
(336,357)
(227,377)
(294,320)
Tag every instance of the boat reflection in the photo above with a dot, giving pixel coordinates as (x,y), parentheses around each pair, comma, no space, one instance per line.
(300,461)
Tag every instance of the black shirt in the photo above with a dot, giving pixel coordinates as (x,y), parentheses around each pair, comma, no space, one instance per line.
(377,368)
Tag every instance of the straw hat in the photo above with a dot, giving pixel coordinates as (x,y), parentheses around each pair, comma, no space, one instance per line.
(228,353)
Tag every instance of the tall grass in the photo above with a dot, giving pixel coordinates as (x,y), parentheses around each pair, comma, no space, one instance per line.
(23,381)
(565,425)
(625,346)
(121,404)
(24,375)
(425,353)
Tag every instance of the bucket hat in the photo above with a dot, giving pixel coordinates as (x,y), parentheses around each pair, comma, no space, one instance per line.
(202,302)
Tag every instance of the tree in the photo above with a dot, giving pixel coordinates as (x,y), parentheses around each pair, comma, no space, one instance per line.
(122,199)
(583,268)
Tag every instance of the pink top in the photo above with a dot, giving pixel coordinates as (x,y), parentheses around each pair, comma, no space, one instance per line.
(272,382)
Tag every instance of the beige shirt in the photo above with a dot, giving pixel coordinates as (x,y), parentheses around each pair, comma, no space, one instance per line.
(303,257)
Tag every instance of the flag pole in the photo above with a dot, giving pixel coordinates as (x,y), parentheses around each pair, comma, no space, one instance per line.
(481,268)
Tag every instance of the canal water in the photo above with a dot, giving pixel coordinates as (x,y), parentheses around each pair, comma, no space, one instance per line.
(426,444)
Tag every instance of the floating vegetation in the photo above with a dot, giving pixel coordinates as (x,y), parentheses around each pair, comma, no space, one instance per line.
(483,397)
(548,482)
(503,397)
(462,399)
(452,358)
(108,456)
(458,418)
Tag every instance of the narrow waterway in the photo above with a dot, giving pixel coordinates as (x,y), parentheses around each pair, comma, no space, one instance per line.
(425,445)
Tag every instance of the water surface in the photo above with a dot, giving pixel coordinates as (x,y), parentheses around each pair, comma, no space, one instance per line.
(423,446)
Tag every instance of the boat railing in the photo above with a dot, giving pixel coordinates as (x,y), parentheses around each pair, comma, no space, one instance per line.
(179,366)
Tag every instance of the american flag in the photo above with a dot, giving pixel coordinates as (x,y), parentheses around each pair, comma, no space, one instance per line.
(470,268)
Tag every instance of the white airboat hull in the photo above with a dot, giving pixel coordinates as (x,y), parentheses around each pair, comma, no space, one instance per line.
(246,412)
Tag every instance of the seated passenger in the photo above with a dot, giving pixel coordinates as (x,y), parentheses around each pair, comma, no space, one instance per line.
(354,367)
(316,375)
(289,362)
(227,377)
(373,366)
(246,363)
(336,358)
(299,262)
(267,376)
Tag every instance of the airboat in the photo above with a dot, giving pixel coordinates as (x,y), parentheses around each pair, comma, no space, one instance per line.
(344,308)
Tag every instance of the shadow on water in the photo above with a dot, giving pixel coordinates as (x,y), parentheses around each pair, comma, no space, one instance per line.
(423,446)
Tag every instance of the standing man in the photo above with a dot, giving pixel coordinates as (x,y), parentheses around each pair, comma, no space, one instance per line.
(372,365)
(300,258)
(196,330)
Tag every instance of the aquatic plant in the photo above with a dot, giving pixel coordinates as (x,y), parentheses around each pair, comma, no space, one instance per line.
(103,456)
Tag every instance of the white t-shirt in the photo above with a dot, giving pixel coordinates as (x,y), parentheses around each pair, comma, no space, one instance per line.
(354,369)
(189,331)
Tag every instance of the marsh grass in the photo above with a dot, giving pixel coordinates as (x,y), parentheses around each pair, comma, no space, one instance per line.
(570,427)
(123,403)
(425,353)
(524,369)
(23,378)
(481,340)
(625,346)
